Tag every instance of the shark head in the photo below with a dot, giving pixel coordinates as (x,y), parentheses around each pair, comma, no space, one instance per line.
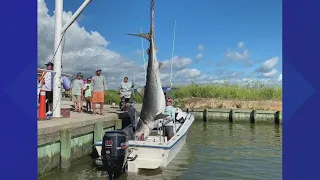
(142,131)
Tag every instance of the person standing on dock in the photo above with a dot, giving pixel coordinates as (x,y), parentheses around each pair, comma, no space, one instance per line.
(76,91)
(82,94)
(87,94)
(47,82)
(99,90)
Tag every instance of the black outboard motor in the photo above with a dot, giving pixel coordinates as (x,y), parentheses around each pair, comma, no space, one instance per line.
(113,152)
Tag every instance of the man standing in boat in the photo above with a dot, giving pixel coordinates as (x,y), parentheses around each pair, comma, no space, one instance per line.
(99,89)
(169,122)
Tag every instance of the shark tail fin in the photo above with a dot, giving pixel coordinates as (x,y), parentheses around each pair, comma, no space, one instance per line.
(143,35)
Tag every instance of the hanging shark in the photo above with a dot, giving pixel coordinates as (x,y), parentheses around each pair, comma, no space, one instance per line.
(153,96)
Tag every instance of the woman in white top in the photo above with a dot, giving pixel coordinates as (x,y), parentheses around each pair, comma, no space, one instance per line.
(125,90)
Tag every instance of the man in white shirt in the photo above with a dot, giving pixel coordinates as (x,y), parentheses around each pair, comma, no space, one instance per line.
(48,86)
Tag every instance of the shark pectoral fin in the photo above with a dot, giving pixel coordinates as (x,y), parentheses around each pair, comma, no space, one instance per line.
(143,35)
(160,116)
(160,64)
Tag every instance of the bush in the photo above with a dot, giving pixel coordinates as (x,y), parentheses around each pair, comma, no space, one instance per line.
(230,92)
(251,91)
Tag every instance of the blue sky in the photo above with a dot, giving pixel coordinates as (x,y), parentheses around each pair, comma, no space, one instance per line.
(218,25)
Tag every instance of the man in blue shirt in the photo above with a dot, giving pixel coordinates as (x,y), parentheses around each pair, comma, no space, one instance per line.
(169,122)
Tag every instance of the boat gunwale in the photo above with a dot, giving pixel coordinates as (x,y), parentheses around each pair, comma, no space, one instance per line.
(159,146)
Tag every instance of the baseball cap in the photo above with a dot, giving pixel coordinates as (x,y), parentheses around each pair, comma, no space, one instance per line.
(49,64)
(80,74)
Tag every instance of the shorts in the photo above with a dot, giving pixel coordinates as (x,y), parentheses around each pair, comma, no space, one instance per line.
(76,98)
(98,97)
(88,99)
(168,131)
(49,96)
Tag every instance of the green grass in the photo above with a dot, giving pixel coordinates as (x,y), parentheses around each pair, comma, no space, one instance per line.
(251,91)
(229,92)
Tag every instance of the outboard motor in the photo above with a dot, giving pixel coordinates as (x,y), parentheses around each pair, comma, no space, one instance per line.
(180,116)
(113,152)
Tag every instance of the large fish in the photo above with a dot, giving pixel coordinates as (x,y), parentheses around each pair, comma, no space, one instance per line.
(153,96)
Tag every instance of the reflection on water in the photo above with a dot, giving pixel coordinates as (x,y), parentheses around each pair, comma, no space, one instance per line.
(219,151)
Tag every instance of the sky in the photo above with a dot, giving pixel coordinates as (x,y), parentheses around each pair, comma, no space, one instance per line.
(216,40)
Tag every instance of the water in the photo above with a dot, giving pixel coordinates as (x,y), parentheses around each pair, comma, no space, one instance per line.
(219,151)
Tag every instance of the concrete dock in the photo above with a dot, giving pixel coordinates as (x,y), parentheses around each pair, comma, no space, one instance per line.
(62,141)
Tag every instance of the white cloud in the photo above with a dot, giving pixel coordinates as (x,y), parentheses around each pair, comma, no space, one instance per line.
(84,51)
(267,68)
(199,56)
(234,55)
(240,44)
(270,73)
(268,65)
(279,79)
(189,73)
(200,47)
(178,63)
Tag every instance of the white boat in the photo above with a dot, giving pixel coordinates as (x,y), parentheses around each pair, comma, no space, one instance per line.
(155,152)
(121,151)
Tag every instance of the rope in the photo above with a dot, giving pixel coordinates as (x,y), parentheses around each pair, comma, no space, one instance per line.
(144,60)
(62,50)
(174,38)
(55,52)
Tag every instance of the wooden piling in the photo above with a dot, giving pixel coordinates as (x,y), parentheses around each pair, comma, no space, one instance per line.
(277,117)
(205,112)
(98,131)
(65,148)
(253,116)
(231,115)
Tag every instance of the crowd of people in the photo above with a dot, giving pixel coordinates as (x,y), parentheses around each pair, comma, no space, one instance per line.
(90,91)
(93,90)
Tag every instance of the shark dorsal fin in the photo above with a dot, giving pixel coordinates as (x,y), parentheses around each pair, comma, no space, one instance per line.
(160,64)
(143,35)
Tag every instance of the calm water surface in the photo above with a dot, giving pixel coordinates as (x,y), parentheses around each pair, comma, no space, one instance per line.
(219,151)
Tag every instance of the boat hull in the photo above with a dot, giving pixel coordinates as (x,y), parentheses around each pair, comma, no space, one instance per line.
(153,153)
(154,157)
